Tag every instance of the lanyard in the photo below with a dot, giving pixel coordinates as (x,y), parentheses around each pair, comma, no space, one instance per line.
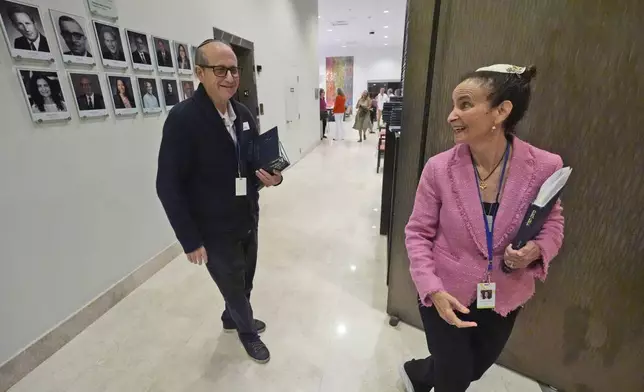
(489,228)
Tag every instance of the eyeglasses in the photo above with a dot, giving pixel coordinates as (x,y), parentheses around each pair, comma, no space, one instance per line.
(76,36)
(221,71)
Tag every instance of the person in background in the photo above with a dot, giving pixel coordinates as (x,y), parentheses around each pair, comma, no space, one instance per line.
(382,99)
(46,94)
(468,197)
(324,114)
(373,113)
(123,99)
(31,38)
(363,118)
(390,92)
(74,37)
(397,92)
(209,186)
(339,108)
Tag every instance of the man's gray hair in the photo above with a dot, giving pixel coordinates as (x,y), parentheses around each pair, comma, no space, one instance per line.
(200,55)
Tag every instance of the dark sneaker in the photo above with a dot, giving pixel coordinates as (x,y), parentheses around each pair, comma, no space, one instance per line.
(229,326)
(410,386)
(257,350)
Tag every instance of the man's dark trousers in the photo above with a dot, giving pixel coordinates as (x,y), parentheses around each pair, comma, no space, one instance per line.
(232,259)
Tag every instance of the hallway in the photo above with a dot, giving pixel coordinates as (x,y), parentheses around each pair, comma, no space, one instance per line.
(320,288)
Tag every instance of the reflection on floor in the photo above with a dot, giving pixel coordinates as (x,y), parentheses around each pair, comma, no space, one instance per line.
(320,288)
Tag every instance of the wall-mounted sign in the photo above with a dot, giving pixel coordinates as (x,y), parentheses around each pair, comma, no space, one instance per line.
(104,8)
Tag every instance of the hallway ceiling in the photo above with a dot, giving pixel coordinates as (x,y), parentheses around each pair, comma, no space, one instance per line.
(347,23)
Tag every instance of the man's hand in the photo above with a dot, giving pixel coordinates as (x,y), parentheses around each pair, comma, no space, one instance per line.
(269,179)
(445,304)
(198,257)
(523,257)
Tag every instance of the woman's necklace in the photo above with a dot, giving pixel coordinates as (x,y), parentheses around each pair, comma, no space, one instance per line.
(482,183)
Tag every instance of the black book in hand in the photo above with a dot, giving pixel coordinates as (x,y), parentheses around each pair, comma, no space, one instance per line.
(538,212)
(268,152)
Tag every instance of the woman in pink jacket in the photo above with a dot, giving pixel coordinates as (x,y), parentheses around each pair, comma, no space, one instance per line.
(469,205)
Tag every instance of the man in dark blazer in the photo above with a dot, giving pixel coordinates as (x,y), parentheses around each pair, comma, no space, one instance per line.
(141,55)
(209,187)
(74,37)
(31,38)
(89,100)
(164,58)
(110,47)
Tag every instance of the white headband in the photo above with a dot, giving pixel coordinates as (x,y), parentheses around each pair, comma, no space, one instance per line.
(503,68)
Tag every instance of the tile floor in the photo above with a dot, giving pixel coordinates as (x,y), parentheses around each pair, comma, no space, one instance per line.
(320,287)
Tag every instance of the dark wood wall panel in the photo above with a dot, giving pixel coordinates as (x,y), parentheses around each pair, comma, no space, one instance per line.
(400,301)
(584,330)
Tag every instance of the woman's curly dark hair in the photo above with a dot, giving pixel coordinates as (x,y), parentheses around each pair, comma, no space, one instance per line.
(39,100)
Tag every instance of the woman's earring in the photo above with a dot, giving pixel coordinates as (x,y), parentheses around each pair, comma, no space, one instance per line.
(493,128)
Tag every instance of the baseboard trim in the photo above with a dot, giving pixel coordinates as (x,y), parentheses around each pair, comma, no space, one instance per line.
(16,368)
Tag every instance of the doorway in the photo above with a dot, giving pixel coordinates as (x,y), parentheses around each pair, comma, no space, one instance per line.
(245,52)
(374,86)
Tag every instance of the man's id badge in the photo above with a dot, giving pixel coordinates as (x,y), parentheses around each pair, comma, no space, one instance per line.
(485,295)
(240,186)
(245,126)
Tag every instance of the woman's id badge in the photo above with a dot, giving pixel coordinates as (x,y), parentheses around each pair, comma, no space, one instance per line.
(485,295)
(240,186)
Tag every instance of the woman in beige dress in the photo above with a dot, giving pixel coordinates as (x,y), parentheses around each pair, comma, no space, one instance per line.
(363,116)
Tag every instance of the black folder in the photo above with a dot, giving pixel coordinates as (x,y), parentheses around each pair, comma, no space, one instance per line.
(269,153)
(539,210)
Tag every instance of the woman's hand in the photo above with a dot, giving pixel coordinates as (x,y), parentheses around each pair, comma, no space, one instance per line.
(523,257)
(445,304)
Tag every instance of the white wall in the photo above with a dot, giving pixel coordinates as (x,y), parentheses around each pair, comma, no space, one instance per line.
(368,64)
(78,208)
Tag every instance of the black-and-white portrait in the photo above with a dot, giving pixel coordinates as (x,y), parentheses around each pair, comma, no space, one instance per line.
(163,53)
(44,95)
(110,43)
(139,47)
(71,31)
(88,93)
(170,92)
(188,88)
(149,94)
(182,52)
(24,31)
(122,92)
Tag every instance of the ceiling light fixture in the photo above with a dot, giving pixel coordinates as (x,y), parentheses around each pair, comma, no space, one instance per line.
(386,36)
(344,46)
(329,30)
(386,27)
(386,11)
(386,44)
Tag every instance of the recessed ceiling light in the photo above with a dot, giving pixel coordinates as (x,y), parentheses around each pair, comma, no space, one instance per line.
(329,30)
(319,17)
(386,11)
(386,27)
(386,36)
(386,44)
(344,46)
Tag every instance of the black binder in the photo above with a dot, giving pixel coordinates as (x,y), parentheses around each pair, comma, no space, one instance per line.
(269,153)
(538,211)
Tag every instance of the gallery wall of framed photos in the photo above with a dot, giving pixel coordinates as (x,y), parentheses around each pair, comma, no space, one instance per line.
(67,62)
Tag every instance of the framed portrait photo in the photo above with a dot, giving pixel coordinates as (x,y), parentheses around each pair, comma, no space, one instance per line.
(110,45)
(88,94)
(122,93)
(163,55)
(43,94)
(182,54)
(187,89)
(170,92)
(73,38)
(24,31)
(139,50)
(149,95)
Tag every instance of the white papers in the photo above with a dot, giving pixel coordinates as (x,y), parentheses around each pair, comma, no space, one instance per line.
(552,186)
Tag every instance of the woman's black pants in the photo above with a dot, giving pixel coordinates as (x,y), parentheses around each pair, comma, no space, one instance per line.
(459,356)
